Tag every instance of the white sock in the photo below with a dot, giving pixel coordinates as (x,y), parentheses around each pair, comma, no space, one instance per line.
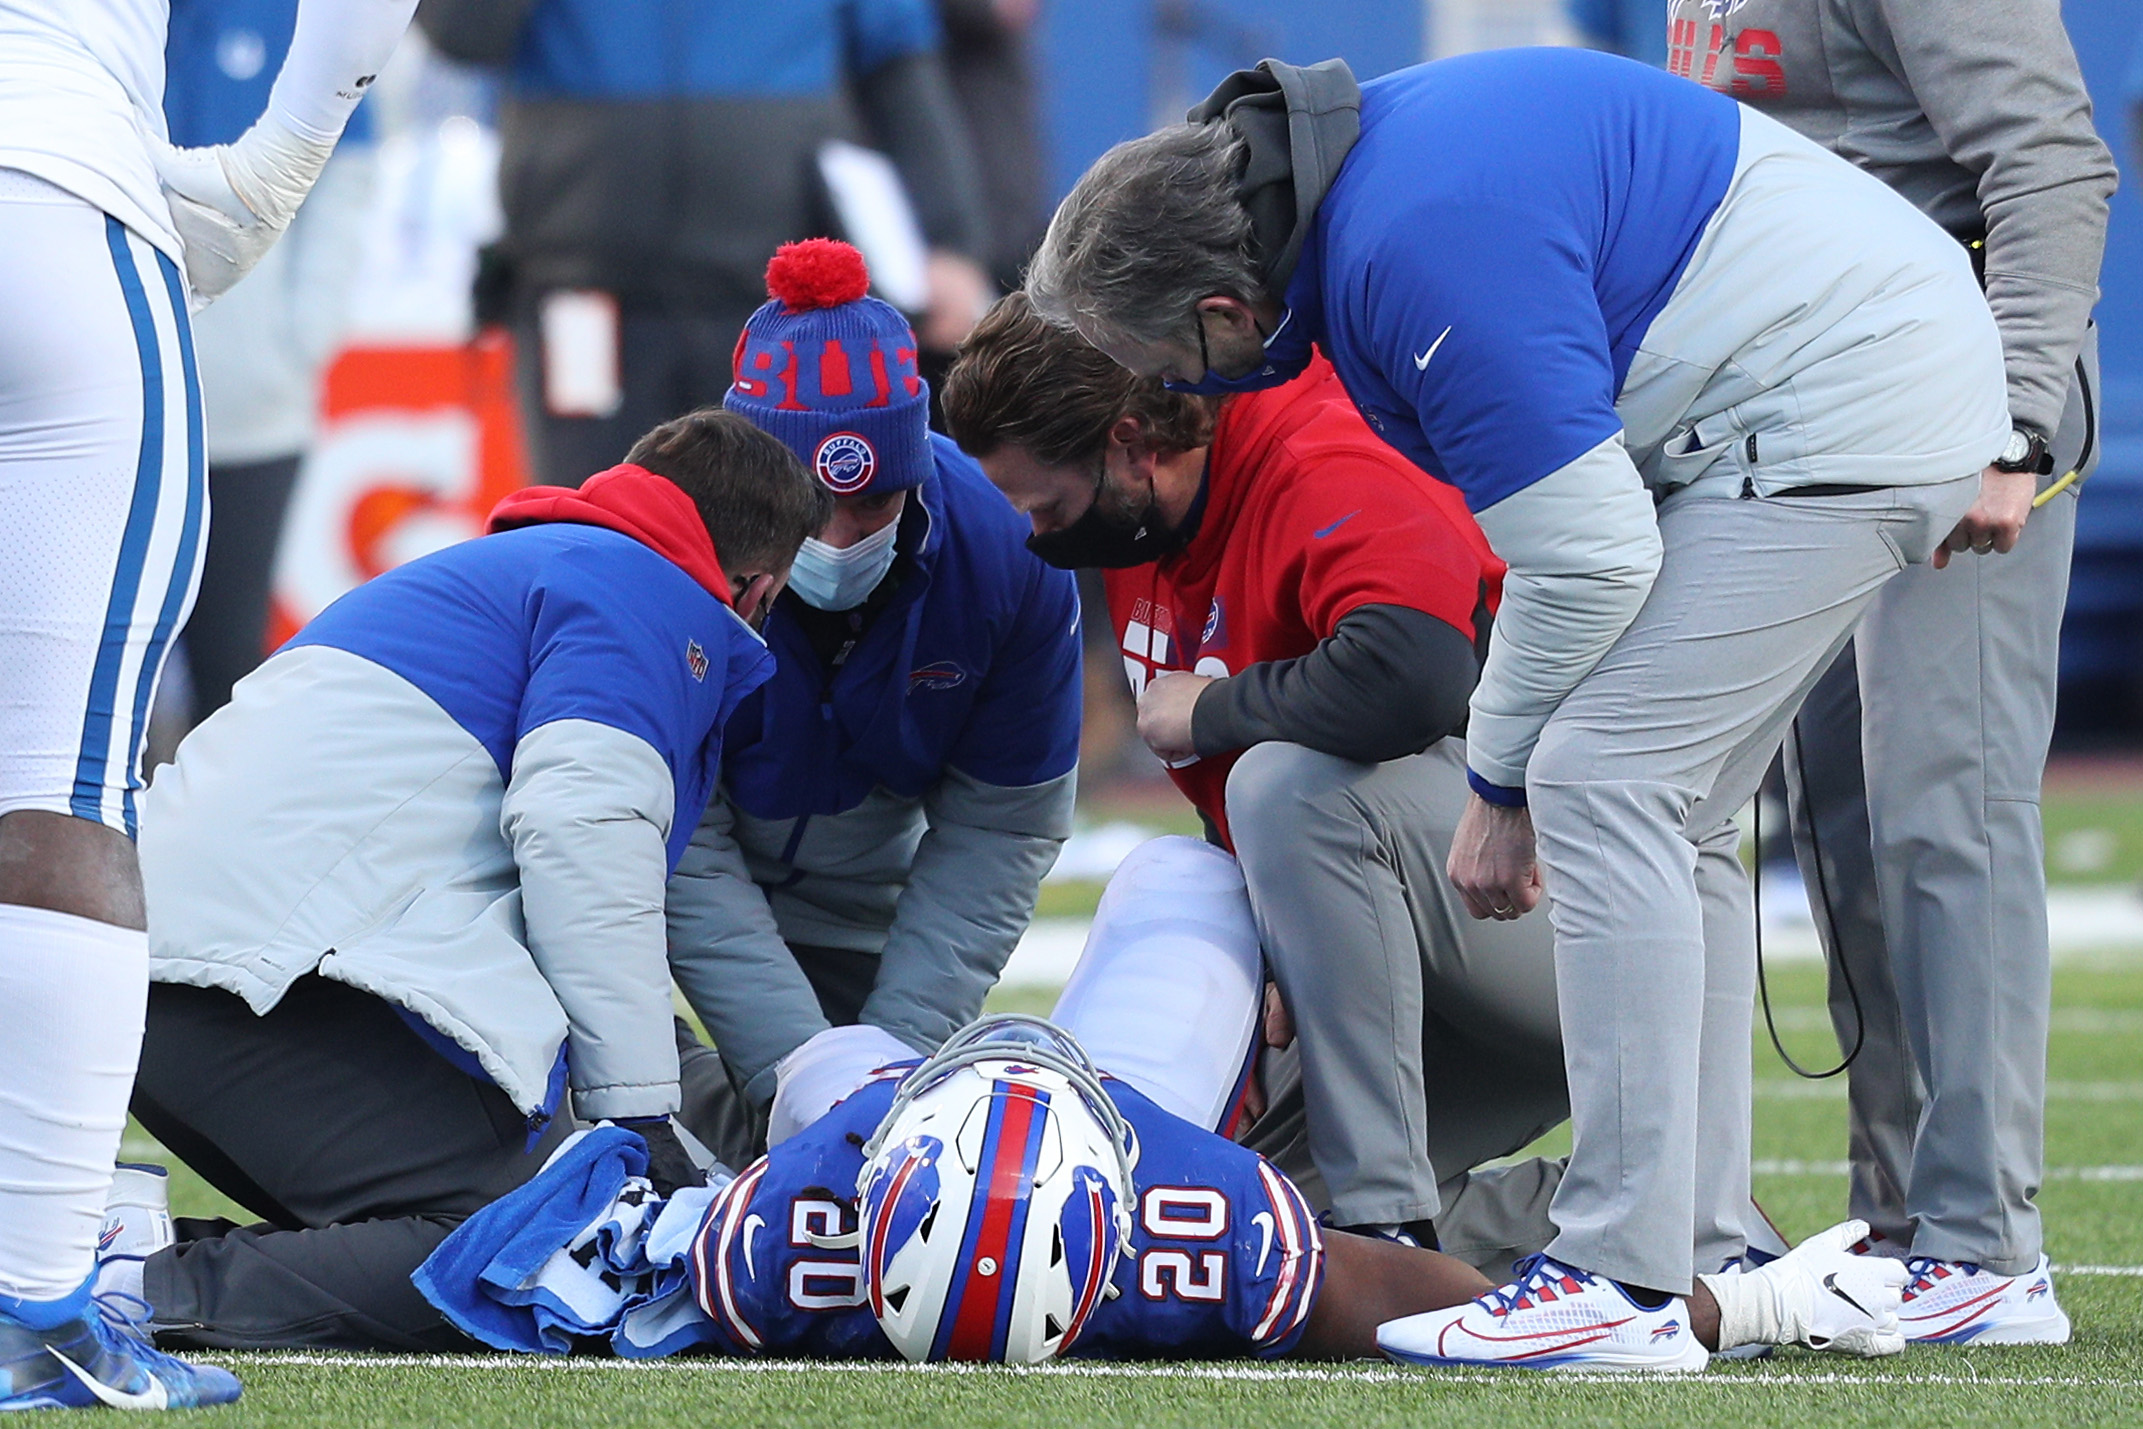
(1749,1309)
(73,994)
(121,1275)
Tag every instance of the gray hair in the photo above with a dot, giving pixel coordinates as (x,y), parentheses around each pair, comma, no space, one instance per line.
(1154,226)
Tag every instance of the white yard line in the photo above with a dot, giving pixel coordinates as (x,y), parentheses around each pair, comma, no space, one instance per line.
(1841,1168)
(1206,1372)
(2072,1021)
(2086,925)
(1793,1090)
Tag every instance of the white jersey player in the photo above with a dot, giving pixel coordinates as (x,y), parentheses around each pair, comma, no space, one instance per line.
(108,237)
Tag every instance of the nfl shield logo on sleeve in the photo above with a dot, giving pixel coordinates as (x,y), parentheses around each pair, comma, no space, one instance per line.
(696,658)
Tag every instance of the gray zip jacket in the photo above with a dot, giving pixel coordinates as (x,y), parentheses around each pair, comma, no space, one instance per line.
(939,888)
(1974,110)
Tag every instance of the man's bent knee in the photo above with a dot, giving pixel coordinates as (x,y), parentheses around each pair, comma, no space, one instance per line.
(1275,790)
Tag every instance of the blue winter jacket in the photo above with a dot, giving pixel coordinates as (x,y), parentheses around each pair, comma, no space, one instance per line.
(908,807)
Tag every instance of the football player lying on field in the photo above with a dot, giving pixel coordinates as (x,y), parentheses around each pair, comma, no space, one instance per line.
(1004,1200)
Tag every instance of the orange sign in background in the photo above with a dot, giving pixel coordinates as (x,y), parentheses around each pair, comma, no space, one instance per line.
(416,444)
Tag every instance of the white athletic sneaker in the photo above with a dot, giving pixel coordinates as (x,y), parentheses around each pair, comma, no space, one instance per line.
(1553,1316)
(137,1224)
(1876,1243)
(1954,1302)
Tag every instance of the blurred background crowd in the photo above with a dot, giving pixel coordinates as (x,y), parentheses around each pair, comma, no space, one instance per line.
(550,219)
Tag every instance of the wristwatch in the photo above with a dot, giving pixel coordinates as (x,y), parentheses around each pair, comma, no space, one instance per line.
(2026,451)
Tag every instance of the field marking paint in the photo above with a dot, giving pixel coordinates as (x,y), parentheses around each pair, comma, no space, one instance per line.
(1786,1090)
(1208,1372)
(2126,1271)
(2077,1021)
(1842,1168)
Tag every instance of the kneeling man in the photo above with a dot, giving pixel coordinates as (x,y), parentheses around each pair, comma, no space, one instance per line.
(406,889)
(1302,613)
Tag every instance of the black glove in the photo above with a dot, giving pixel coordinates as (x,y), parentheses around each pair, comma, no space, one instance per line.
(669,1165)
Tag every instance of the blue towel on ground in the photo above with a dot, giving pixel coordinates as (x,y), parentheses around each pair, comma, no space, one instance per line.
(568,1256)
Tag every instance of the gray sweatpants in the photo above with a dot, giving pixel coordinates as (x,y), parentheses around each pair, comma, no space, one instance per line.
(1928,880)
(1633,789)
(1428,1041)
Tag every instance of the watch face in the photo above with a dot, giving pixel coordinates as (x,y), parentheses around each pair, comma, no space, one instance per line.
(2018,449)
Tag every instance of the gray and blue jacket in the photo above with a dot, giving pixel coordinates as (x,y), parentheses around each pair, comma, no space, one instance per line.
(1975,110)
(1570,285)
(461,789)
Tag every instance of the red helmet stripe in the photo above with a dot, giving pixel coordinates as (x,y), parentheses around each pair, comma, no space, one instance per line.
(1000,1184)
(717,1287)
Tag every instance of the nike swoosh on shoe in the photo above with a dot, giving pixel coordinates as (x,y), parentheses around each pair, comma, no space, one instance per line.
(154,1397)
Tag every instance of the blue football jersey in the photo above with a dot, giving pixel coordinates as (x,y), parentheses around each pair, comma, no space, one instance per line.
(1226,1256)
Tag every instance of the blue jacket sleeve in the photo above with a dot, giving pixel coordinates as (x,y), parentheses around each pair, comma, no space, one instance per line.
(638,647)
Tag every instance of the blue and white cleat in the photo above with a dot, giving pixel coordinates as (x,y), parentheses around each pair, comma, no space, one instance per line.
(1954,1302)
(1553,1316)
(97,1358)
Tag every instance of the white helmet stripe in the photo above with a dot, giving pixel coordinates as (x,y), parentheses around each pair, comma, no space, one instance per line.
(1290,1238)
(736,1199)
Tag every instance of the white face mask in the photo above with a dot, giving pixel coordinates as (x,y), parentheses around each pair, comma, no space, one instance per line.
(840,578)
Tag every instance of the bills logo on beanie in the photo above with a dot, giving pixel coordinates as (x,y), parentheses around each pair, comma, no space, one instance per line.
(830,370)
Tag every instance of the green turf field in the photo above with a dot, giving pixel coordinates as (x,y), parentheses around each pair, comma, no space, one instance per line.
(2094,1147)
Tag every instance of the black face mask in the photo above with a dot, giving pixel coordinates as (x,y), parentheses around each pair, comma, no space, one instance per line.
(1112,542)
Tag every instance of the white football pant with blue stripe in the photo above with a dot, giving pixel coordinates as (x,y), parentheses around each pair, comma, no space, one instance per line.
(103,498)
(103,518)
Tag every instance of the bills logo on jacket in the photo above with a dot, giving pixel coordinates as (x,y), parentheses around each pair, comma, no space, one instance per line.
(938,675)
(845,462)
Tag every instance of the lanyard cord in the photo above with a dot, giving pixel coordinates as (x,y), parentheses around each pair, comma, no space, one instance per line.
(1831,948)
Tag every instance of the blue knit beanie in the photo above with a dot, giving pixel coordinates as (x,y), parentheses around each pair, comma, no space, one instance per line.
(831,371)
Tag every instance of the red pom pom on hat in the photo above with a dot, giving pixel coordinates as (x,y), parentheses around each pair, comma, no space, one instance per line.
(816,273)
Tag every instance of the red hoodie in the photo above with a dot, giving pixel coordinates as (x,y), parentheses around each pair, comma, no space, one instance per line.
(1308,515)
(651,509)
